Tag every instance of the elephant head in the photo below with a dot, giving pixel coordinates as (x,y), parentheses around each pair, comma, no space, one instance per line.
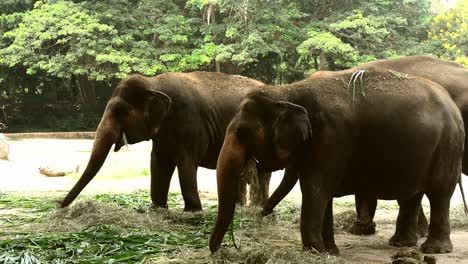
(133,114)
(269,131)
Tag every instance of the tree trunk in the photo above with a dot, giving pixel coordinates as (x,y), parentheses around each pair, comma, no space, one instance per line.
(323,62)
(231,68)
(316,65)
(87,91)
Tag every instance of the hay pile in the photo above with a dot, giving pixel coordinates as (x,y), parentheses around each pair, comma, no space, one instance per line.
(86,214)
(255,255)
(275,239)
(344,220)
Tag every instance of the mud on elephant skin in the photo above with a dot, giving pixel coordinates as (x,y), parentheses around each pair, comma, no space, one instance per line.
(450,75)
(184,114)
(407,129)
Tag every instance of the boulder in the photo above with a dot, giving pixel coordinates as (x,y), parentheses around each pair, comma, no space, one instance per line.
(4,147)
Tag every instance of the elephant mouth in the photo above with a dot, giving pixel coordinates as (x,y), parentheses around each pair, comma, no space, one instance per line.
(269,165)
(121,141)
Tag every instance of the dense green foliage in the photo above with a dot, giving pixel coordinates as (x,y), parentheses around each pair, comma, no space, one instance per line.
(449,31)
(59,59)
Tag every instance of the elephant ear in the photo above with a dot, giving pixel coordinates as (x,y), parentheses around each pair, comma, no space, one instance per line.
(291,128)
(156,108)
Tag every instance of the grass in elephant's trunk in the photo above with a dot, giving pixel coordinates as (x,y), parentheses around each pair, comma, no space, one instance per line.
(121,228)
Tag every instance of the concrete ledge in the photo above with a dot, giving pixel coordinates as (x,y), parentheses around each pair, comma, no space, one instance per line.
(56,135)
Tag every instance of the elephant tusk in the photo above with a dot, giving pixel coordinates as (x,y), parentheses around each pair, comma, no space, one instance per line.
(124,139)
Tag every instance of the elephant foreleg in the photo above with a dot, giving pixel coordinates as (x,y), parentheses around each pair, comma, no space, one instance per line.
(365,208)
(162,169)
(187,169)
(314,206)
(287,183)
(327,233)
(407,225)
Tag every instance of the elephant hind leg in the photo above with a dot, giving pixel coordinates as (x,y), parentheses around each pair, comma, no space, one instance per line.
(423,224)
(407,225)
(438,240)
(365,208)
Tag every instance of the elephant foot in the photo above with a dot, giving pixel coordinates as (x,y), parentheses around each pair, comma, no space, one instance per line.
(193,209)
(403,240)
(157,205)
(241,200)
(266,211)
(359,228)
(332,249)
(434,246)
(315,247)
(423,227)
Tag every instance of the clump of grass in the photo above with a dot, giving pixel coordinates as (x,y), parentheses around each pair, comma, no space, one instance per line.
(344,220)
(29,204)
(24,256)
(19,210)
(103,244)
(458,219)
(108,229)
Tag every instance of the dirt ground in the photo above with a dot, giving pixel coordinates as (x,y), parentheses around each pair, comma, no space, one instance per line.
(20,176)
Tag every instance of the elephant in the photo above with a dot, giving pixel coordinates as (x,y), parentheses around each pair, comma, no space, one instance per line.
(184,114)
(452,76)
(336,137)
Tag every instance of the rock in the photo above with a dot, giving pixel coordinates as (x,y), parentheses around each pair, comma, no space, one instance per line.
(407,256)
(54,172)
(430,259)
(50,173)
(405,260)
(4,147)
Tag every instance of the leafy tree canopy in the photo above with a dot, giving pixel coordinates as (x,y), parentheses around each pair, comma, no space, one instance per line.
(449,31)
(77,49)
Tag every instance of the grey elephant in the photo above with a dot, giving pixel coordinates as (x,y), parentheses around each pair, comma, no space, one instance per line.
(452,76)
(184,114)
(394,137)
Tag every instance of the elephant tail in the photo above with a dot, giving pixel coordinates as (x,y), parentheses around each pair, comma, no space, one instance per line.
(463,194)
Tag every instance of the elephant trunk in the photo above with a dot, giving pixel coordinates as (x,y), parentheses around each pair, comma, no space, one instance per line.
(231,161)
(107,134)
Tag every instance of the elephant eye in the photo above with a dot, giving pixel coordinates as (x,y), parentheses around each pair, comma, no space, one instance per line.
(243,132)
(247,134)
(121,110)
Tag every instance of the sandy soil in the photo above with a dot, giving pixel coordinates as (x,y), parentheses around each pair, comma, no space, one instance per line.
(20,175)
(374,249)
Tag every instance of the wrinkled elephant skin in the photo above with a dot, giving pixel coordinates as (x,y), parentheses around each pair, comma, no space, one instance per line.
(184,114)
(398,138)
(452,76)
